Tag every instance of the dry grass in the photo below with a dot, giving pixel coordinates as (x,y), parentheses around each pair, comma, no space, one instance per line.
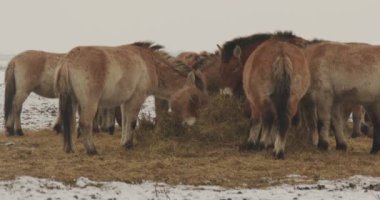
(204,154)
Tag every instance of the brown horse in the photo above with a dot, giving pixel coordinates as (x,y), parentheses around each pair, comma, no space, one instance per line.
(29,71)
(96,76)
(234,54)
(187,102)
(344,74)
(275,79)
(187,58)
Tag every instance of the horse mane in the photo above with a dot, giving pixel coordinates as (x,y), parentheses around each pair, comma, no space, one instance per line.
(148,45)
(228,47)
(169,60)
(203,59)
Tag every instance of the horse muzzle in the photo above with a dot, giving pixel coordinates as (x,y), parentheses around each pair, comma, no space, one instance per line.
(226,91)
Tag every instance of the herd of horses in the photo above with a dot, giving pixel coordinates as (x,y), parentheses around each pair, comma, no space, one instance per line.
(284,80)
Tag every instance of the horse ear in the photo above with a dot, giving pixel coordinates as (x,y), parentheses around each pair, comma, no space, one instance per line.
(195,77)
(237,51)
(191,77)
(220,48)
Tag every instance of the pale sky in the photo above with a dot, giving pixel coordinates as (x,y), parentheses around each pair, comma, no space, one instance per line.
(191,25)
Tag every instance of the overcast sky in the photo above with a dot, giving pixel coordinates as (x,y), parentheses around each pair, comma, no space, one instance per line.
(192,25)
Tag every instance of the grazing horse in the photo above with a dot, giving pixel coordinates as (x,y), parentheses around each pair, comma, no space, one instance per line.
(97,76)
(344,74)
(187,102)
(209,64)
(275,79)
(234,54)
(30,71)
(187,58)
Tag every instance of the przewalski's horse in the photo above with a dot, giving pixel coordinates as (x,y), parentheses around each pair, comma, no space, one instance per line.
(30,71)
(234,54)
(275,79)
(187,58)
(188,101)
(209,64)
(344,74)
(95,76)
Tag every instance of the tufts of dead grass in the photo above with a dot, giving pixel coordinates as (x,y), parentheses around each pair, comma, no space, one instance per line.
(206,154)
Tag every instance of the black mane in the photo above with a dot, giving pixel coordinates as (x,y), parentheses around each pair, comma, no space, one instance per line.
(228,47)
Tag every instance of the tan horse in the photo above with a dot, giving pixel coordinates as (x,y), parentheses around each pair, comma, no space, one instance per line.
(187,58)
(275,79)
(187,102)
(234,54)
(106,77)
(30,71)
(344,74)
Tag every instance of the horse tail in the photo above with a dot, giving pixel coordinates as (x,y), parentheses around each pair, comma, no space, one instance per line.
(63,89)
(282,73)
(10,89)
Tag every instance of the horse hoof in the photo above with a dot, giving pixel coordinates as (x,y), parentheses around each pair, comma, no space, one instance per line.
(111,130)
(95,130)
(128,145)
(341,147)
(19,132)
(10,131)
(375,150)
(364,129)
(57,128)
(323,145)
(91,151)
(249,146)
(68,149)
(279,155)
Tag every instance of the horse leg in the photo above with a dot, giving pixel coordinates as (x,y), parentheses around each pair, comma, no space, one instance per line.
(161,107)
(19,99)
(110,120)
(130,111)
(58,124)
(357,119)
(86,117)
(324,107)
(374,114)
(254,132)
(337,122)
(279,145)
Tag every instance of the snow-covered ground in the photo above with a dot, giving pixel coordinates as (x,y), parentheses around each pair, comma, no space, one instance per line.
(357,187)
(39,112)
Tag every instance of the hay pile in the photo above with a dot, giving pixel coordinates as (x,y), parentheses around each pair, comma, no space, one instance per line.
(220,123)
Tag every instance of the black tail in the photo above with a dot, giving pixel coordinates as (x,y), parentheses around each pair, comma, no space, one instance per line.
(66,111)
(10,90)
(282,69)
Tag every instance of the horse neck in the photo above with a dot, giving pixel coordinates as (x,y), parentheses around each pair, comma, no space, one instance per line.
(170,79)
(248,50)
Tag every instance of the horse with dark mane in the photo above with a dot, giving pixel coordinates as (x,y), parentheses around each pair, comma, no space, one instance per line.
(98,76)
(275,79)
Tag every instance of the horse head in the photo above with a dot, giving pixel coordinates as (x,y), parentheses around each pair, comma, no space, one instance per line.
(187,101)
